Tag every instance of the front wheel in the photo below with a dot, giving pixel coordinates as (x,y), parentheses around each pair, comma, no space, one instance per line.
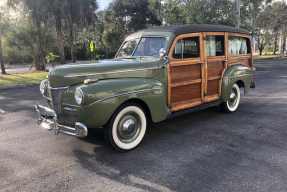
(126,128)
(232,104)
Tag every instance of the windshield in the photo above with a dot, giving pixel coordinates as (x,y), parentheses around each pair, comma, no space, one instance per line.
(128,48)
(146,47)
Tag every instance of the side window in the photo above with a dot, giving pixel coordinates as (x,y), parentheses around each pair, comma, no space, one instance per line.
(186,48)
(214,45)
(238,45)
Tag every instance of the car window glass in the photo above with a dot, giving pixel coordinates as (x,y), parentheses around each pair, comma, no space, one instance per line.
(177,50)
(214,45)
(238,45)
(150,46)
(128,48)
(186,48)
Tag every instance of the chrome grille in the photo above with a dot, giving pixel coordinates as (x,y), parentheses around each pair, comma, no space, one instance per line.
(56,102)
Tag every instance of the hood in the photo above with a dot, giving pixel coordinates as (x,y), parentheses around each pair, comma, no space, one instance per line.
(71,74)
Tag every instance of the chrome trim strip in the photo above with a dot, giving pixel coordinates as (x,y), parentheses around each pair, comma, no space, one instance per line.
(113,97)
(57,88)
(69,109)
(67,133)
(111,72)
(236,76)
(47,98)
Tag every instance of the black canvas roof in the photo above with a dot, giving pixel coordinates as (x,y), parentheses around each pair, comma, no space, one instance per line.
(183,29)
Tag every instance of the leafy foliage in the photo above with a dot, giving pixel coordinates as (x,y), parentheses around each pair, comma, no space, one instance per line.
(264,31)
(51,57)
(127,16)
(178,12)
(66,27)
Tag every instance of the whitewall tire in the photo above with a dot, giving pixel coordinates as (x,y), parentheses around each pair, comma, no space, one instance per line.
(233,101)
(126,128)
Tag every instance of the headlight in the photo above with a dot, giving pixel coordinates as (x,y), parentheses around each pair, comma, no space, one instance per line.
(42,87)
(79,96)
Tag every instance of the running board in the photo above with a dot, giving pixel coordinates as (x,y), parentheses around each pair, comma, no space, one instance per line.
(193,109)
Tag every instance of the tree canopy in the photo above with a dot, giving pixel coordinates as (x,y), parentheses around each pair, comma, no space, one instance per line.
(66,27)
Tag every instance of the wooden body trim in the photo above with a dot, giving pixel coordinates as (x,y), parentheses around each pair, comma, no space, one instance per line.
(186,83)
(205,63)
(239,35)
(214,33)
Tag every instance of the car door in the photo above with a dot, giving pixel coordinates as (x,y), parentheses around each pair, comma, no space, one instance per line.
(216,54)
(186,72)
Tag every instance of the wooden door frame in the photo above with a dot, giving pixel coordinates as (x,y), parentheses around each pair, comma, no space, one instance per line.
(186,61)
(223,58)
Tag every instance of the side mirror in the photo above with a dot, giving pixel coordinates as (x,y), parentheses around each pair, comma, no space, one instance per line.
(162,52)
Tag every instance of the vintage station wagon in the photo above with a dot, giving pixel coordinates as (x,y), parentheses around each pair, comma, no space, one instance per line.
(158,73)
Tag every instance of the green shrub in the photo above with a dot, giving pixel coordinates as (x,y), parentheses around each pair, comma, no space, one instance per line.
(80,51)
(16,57)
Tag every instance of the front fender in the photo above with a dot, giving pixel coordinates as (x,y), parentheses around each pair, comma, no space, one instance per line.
(232,75)
(104,97)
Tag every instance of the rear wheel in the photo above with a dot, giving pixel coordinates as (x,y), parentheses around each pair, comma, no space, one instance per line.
(126,128)
(234,98)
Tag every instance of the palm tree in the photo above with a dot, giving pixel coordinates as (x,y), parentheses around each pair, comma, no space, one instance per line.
(1,33)
(37,13)
(1,59)
(57,13)
(80,13)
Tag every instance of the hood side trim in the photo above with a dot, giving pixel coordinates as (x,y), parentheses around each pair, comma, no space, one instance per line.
(110,72)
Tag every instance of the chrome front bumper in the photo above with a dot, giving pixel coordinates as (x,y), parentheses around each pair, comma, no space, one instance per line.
(49,121)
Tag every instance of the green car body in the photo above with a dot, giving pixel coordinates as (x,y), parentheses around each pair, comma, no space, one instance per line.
(108,84)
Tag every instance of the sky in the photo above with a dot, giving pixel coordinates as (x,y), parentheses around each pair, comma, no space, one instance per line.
(102,4)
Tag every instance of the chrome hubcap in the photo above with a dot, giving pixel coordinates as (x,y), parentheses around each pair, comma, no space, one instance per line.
(232,98)
(129,127)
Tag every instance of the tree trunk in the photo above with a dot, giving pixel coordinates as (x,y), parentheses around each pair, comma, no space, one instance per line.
(260,48)
(274,45)
(41,66)
(283,45)
(71,43)
(60,41)
(1,59)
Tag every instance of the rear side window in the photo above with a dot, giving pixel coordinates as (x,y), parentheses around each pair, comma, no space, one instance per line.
(214,45)
(186,48)
(238,45)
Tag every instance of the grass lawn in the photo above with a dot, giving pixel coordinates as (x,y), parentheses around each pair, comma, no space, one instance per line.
(22,78)
(255,57)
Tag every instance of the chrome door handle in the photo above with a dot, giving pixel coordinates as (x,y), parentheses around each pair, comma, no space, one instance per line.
(200,62)
(225,60)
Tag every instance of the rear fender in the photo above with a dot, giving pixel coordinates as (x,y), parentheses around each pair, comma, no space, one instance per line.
(232,75)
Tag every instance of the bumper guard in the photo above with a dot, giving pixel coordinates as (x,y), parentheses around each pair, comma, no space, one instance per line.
(50,123)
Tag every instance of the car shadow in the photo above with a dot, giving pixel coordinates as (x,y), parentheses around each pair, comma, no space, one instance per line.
(181,154)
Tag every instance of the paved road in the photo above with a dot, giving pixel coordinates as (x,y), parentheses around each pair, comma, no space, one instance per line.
(204,151)
(21,69)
